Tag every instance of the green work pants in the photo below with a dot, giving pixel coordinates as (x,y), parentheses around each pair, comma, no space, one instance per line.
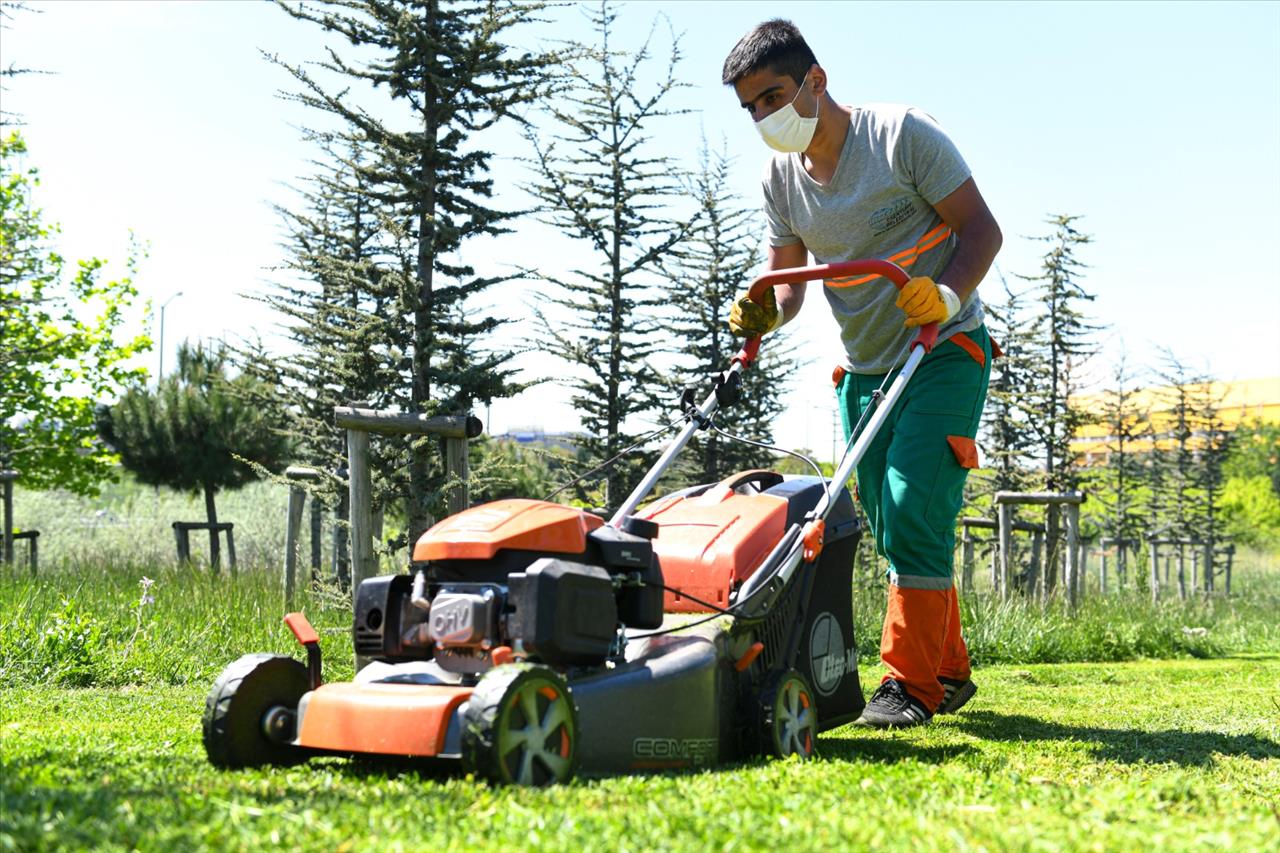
(911,480)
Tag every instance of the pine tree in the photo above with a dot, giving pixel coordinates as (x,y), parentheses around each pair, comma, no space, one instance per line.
(445,66)
(1181,406)
(193,432)
(599,181)
(1010,437)
(1064,334)
(715,265)
(1124,476)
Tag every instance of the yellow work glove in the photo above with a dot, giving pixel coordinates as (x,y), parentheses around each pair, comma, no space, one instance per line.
(926,302)
(747,319)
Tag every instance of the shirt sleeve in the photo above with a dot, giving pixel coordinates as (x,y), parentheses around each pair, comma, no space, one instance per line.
(929,158)
(779,230)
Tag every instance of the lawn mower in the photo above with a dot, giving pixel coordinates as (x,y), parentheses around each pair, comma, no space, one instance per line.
(530,641)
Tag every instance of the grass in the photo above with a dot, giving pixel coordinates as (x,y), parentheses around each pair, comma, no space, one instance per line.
(1169,737)
(1149,755)
(85,625)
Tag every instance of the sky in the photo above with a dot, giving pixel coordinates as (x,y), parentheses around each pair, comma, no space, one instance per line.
(1157,123)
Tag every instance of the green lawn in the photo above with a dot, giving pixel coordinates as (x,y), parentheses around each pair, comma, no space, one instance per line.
(1152,754)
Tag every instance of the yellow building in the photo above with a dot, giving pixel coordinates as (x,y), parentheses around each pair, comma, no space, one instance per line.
(1238,401)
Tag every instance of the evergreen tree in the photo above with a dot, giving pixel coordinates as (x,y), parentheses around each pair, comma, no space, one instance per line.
(445,66)
(1182,403)
(714,266)
(1064,334)
(599,181)
(8,9)
(1010,435)
(193,432)
(1122,479)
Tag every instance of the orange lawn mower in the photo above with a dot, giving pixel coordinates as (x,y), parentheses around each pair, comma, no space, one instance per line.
(531,641)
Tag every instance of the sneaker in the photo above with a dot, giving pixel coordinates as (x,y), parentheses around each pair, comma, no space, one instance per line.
(893,707)
(955,692)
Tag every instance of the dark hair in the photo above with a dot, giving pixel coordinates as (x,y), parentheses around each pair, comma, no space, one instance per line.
(776,45)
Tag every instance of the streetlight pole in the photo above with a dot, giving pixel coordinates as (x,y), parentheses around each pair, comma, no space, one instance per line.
(163,305)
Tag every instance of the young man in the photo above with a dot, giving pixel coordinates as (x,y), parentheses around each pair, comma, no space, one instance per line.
(883,181)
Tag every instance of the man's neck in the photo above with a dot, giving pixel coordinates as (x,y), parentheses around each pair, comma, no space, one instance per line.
(823,154)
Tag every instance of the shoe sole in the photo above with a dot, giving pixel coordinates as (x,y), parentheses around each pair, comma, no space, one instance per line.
(958,699)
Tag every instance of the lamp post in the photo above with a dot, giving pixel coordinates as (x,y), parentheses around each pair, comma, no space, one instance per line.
(163,305)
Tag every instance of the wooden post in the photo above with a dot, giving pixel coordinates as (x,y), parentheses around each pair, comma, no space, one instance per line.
(1182,571)
(183,542)
(1035,577)
(1231,553)
(7,478)
(966,561)
(1102,567)
(360,481)
(1208,568)
(316,545)
(34,553)
(1084,568)
(1006,543)
(293,522)
(231,546)
(456,464)
(341,529)
(1155,571)
(1195,569)
(1074,587)
(293,528)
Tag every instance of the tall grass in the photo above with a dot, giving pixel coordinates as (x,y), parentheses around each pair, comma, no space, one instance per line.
(83,620)
(97,624)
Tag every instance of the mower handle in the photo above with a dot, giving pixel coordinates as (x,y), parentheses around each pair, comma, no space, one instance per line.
(796,275)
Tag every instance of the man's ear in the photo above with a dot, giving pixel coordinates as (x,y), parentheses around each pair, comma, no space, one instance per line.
(819,79)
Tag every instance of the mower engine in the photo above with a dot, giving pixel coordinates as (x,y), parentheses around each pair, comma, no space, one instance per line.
(561,602)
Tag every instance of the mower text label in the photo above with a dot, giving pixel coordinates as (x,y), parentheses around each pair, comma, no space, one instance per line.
(693,750)
(829,660)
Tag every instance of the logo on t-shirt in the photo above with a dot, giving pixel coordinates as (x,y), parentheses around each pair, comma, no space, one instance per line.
(887,218)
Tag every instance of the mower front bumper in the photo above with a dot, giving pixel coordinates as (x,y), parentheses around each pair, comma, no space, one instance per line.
(410,720)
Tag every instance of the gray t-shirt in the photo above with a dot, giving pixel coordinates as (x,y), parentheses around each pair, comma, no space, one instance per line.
(896,163)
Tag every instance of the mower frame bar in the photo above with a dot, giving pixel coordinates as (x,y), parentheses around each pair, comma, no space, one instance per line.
(923,343)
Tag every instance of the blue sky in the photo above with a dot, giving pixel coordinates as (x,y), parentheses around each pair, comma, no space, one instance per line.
(1159,123)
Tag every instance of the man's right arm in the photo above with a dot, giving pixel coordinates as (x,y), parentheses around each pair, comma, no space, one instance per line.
(790,296)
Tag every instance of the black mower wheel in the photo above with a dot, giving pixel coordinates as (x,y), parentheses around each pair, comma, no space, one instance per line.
(788,716)
(521,727)
(251,712)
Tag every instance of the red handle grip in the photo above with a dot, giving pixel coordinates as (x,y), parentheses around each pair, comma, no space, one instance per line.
(927,337)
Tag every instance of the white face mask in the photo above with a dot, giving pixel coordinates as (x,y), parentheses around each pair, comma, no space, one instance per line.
(786,130)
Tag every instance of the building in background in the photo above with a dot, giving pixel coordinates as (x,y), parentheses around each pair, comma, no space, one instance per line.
(1241,401)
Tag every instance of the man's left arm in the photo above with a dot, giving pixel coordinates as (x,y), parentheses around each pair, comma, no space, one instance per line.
(978,236)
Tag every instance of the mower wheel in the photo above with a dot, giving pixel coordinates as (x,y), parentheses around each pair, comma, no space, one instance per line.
(520,727)
(788,717)
(251,713)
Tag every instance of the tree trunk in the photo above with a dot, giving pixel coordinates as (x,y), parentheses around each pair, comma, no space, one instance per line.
(424,303)
(211,515)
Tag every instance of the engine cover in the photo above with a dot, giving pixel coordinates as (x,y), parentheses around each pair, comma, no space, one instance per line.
(562,612)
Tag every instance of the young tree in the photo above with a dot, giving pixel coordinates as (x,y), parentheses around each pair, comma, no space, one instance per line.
(1064,334)
(1122,479)
(193,432)
(600,181)
(446,66)
(714,265)
(63,343)
(1011,437)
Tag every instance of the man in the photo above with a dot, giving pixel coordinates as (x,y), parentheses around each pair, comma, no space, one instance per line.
(883,181)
